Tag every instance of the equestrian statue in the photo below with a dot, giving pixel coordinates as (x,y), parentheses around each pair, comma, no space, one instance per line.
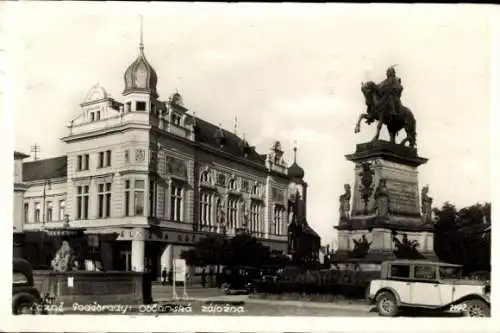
(384,105)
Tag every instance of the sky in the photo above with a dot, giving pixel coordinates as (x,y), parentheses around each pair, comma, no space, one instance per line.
(287,72)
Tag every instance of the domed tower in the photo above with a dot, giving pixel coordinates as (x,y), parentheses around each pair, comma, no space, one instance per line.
(140,84)
(298,188)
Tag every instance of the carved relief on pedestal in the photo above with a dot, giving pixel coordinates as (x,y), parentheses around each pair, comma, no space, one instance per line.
(405,248)
(366,188)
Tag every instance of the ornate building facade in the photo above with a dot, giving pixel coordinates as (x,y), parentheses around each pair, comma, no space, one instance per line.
(148,179)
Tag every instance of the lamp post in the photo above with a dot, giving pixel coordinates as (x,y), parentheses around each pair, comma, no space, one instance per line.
(46,186)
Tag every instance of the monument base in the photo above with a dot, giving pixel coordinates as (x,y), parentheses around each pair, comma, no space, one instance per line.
(381,244)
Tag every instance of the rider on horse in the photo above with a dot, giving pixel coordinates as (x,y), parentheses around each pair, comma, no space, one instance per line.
(390,91)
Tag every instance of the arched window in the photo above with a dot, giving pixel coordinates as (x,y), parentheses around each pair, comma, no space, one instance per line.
(232,184)
(205,177)
(255,224)
(277,225)
(232,213)
(255,189)
(206,209)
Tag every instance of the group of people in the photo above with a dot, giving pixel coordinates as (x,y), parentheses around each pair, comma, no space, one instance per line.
(167,277)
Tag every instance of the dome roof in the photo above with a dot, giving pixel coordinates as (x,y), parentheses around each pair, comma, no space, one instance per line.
(295,171)
(140,76)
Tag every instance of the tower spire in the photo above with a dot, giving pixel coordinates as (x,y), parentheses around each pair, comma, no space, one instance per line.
(236,125)
(141,44)
(295,152)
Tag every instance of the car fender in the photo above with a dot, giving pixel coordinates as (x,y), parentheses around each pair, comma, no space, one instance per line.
(391,290)
(470,297)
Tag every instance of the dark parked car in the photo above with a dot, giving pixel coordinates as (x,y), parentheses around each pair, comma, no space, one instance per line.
(239,279)
(25,297)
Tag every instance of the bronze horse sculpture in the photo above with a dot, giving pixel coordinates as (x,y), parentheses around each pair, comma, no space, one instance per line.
(379,108)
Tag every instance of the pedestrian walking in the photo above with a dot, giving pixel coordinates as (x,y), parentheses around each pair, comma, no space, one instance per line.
(203,278)
(164,276)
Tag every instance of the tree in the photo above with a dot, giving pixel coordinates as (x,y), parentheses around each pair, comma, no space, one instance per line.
(459,235)
(210,250)
(217,250)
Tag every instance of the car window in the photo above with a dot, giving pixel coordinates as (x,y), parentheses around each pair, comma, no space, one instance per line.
(449,272)
(19,278)
(400,271)
(424,272)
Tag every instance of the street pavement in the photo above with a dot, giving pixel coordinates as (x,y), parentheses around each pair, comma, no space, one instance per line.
(213,301)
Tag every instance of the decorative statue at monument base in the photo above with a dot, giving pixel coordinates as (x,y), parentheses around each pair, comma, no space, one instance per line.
(387,220)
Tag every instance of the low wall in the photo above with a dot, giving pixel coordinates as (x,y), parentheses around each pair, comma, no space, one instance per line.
(102,287)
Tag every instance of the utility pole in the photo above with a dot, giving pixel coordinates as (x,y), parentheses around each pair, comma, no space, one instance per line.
(35,149)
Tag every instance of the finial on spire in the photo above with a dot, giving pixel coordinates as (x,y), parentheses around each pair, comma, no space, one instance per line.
(295,152)
(141,45)
(235,124)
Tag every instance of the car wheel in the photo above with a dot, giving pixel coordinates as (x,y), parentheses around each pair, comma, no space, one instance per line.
(387,305)
(477,308)
(25,307)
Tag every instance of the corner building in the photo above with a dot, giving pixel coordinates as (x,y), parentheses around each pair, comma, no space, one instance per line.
(148,179)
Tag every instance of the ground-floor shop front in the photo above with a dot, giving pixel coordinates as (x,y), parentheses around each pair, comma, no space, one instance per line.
(121,249)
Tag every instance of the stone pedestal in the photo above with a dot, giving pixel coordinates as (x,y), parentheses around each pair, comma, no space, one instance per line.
(376,236)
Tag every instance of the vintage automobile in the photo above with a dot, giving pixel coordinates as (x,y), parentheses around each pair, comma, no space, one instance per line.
(240,279)
(25,297)
(420,284)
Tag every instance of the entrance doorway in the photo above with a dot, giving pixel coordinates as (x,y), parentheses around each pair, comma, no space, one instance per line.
(125,261)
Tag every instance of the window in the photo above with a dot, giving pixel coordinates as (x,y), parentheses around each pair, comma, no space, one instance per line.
(140,106)
(400,271)
(176,119)
(232,184)
(176,203)
(425,272)
(37,212)
(62,209)
(206,208)
(232,213)
(255,190)
(50,210)
(82,202)
(277,221)
(449,272)
(104,200)
(26,212)
(108,158)
(82,162)
(92,116)
(19,278)
(105,159)
(152,198)
(139,197)
(205,177)
(128,106)
(255,217)
(244,186)
(98,115)
(127,198)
